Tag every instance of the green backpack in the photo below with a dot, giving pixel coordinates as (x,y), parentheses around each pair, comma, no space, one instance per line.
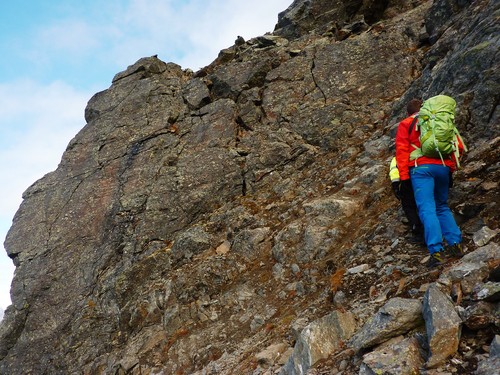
(438,134)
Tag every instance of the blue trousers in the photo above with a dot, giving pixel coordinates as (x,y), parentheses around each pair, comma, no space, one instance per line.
(430,187)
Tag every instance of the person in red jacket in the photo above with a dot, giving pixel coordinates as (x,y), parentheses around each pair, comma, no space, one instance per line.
(430,180)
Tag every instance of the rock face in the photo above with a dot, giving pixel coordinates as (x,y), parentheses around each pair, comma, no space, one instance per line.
(199,219)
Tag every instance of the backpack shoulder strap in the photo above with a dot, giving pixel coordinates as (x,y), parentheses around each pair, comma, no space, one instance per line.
(417,152)
(412,125)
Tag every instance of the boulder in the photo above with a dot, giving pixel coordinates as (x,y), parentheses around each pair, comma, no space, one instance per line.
(443,326)
(271,354)
(397,316)
(399,357)
(491,365)
(480,315)
(474,267)
(319,340)
(489,291)
(484,235)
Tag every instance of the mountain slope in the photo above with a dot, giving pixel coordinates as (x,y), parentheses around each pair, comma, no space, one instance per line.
(199,217)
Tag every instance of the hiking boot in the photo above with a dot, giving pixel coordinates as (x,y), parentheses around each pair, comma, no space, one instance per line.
(454,251)
(416,239)
(417,235)
(435,260)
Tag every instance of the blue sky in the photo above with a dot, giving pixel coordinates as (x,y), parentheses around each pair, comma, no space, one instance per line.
(54,55)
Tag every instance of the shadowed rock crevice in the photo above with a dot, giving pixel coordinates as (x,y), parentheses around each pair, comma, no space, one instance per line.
(315,82)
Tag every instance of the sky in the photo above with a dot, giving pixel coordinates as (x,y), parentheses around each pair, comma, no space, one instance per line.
(55,55)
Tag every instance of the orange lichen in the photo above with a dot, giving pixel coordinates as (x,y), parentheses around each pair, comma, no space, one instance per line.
(336,279)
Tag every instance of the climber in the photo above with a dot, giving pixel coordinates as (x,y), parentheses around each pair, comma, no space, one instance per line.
(404,193)
(402,184)
(430,180)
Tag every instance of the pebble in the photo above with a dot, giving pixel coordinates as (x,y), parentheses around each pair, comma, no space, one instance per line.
(425,260)
(343,365)
(358,269)
(388,258)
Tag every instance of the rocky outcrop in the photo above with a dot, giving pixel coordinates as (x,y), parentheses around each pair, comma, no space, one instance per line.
(200,221)
(336,17)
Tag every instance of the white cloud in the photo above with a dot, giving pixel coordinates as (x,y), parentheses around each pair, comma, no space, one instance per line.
(197,30)
(35,128)
(190,33)
(71,36)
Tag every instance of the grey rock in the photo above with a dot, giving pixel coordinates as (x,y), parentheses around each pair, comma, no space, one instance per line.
(484,235)
(190,243)
(401,357)
(468,273)
(271,354)
(489,291)
(196,93)
(339,299)
(495,347)
(488,367)
(443,326)
(332,207)
(297,327)
(316,242)
(248,241)
(144,68)
(480,315)
(11,329)
(318,340)
(358,269)
(269,41)
(370,175)
(483,254)
(278,271)
(256,322)
(396,317)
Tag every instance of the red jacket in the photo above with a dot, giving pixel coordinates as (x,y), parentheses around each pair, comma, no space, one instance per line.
(404,141)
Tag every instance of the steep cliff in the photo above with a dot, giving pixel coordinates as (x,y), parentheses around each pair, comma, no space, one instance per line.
(199,218)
